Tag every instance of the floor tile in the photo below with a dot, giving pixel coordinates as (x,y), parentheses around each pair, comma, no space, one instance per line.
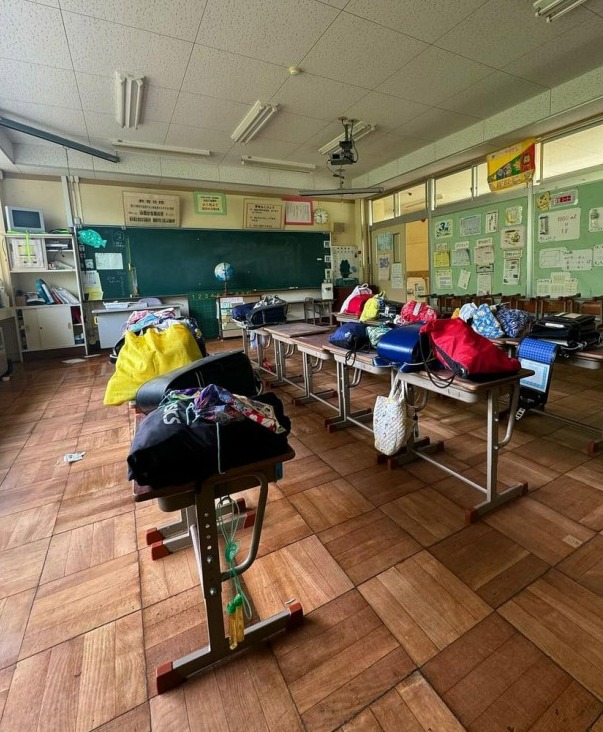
(424,605)
(24,527)
(585,565)
(305,472)
(380,485)
(349,458)
(573,498)
(493,678)
(329,504)
(20,568)
(80,602)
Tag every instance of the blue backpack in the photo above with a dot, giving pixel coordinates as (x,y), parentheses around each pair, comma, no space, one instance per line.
(351,336)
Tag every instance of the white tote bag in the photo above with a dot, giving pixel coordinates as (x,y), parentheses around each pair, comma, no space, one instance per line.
(392,421)
(358,290)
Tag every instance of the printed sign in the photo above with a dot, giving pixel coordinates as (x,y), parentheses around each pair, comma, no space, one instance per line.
(210,203)
(512,166)
(263,214)
(148,209)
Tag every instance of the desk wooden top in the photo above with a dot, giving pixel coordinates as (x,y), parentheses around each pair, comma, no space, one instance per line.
(314,345)
(363,360)
(292,330)
(462,389)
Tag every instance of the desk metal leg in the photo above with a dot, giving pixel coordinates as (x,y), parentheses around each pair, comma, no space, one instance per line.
(345,417)
(308,376)
(493,498)
(204,534)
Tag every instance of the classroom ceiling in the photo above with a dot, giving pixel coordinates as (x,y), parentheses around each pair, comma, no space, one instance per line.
(419,70)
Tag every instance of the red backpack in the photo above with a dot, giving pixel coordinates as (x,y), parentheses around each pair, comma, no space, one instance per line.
(356,304)
(466,353)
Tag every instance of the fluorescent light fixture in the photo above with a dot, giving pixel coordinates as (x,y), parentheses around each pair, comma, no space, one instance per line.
(277,164)
(340,192)
(359,130)
(129,92)
(552,9)
(253,121)
(143,147)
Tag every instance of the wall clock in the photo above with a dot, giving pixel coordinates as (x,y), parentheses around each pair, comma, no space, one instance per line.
(321,216)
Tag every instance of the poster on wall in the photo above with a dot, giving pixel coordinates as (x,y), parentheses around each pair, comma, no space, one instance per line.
(443,228)
(484,283)
(443,278)
(441,259)
(263,214)
(345,265)
(595,219)
(397,276)
(471,225)
(491,222)
(210,203)
(559,225)
(511,271)
(598,255)
(385,241)
(464,277)
(513,237)
(384,264)
(148,209)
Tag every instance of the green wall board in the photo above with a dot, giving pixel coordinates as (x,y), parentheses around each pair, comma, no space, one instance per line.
(505,225)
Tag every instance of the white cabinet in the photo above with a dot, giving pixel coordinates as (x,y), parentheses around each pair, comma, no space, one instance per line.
(46,291)
(48,327)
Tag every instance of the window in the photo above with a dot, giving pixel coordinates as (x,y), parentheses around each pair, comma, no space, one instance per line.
(583,149)
(412,200)
(454,187)
(383,209)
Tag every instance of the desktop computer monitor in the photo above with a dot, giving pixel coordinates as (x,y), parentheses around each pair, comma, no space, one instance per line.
(24,219)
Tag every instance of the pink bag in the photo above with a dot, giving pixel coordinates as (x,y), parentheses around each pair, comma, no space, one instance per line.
(413,312)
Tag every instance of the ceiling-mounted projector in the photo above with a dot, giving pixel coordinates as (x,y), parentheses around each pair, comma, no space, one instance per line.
(346,152)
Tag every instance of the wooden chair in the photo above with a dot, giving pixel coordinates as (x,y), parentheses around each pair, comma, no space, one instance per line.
(590,306)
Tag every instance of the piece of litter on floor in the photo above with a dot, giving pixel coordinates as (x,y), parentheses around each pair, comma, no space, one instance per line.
(73,457)
(74,360)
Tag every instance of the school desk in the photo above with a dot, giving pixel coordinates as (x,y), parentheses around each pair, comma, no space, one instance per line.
(468,392)
(198,525)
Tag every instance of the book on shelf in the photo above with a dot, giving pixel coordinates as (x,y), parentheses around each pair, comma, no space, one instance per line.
(65,297)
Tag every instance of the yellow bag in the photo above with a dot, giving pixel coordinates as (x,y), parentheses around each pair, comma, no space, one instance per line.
(144,356)
(456,313)
(370,311)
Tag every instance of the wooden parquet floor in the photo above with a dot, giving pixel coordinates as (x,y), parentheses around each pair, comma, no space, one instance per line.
(414,622)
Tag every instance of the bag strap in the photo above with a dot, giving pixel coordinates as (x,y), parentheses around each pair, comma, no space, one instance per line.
(435,380)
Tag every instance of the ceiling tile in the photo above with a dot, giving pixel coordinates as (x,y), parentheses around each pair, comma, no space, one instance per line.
(218,141)
(195,110)
(98,95)
(102,48)
(264,148)
(57,120)
(337,3)
(412,17)
(386,111)
(23,82)
(433,76)
(279,31)
(434,124)
(491,95)
(188,169)
(580,48)
(315,96)
(348,52)
(50,156)
(228,75)
(291,128)
(138,163)
(34,33)
(178,18)
(532,110)
(513,24)
(105,127)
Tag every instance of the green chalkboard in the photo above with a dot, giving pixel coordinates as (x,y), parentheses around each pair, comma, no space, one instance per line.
(504,225)
(114,282)
(174,261)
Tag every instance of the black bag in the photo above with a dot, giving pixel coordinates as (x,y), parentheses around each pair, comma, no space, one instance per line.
(270,310)
(171,452)
(231,370)
(240,312)
(571,331)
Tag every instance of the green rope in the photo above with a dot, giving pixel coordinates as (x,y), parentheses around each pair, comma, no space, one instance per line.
(231,547)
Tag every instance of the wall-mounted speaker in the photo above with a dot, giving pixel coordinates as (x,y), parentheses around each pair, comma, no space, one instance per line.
(338,227)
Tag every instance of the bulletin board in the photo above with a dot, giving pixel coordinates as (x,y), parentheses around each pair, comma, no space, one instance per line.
(481,250)
(568,241)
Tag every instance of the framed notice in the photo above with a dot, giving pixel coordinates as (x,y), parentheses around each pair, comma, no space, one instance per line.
(210,203)
(263,214)
(298,211)
(150,209)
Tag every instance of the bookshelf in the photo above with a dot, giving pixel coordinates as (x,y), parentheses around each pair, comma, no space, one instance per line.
(46,291)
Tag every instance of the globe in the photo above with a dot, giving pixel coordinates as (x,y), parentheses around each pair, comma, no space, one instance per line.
(223,273)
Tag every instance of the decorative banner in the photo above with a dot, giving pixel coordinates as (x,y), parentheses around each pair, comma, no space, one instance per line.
(148,209)
(512,166)
(210,203)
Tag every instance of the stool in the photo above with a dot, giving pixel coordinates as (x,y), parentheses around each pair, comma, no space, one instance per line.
(198,526)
